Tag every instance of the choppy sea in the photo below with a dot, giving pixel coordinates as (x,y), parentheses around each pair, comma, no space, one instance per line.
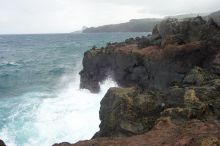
(40,100)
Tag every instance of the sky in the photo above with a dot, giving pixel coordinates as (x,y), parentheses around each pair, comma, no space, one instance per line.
(62,16)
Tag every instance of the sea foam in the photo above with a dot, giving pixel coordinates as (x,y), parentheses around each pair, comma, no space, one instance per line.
(69,114)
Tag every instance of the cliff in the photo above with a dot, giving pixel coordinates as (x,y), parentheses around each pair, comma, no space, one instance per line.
(134,25)
(169,92)
(155,61)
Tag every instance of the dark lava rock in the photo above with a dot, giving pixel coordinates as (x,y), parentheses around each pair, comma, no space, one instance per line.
(2,143)
(154,62)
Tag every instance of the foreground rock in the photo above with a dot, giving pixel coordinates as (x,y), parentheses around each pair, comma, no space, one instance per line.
(130,111)
(165,133)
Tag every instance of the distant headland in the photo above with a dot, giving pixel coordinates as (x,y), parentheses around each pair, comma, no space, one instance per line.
(134,25)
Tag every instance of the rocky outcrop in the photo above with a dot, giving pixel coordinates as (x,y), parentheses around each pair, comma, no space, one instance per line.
(169,92)
(2,143)
(154,62)
(173,73)
(126,112)
(130,111)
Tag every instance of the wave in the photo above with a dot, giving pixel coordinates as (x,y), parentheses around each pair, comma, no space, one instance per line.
(5,63)
(69,114)
(57,71)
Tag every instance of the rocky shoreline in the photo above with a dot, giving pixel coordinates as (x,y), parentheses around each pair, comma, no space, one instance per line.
(169,92)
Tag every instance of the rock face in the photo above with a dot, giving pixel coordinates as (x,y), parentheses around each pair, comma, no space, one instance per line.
(169,92)
(125,112)
(156,61)
(129,111)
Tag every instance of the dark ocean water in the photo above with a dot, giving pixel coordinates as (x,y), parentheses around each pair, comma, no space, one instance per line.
(40,99)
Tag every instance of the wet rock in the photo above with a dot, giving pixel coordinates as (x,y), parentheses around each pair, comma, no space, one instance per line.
(2,143)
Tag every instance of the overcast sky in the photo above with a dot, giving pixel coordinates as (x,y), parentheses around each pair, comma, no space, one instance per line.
(57,16)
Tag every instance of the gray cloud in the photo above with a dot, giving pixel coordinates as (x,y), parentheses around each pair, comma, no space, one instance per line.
(46,16)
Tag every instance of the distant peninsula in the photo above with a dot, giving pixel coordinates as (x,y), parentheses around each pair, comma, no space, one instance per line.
(134,25)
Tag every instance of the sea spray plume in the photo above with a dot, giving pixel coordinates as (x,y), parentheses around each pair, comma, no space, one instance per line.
(52,108)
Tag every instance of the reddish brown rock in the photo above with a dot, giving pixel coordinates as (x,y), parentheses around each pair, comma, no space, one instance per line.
(166,133)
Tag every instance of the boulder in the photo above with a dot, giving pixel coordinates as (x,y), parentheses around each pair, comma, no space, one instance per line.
(125,112)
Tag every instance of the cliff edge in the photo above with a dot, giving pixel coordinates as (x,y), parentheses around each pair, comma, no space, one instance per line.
(169,92)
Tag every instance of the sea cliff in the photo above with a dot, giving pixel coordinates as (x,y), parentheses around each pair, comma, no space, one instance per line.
(169,92)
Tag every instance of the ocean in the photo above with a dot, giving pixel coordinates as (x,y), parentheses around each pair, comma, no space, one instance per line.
(40,100)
